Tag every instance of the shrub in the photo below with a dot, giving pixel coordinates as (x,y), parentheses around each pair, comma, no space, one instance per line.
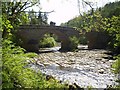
(73,43)
(114,32)
(47,42)
(116,65)
(14,73)
(83,40)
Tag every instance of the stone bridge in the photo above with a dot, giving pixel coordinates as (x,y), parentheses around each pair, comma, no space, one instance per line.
(30,35)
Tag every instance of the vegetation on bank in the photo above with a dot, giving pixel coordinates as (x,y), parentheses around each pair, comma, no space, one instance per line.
(16,74)
(116,65)
(15,71)
(47,41)
(74,41)
(116,68)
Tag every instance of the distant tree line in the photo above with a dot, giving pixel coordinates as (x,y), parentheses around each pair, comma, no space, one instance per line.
(102,19)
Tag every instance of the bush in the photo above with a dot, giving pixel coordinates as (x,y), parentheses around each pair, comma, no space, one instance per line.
(83,40)
(114,32)
(73,43)
(47,42)
(14,73)
(116,65)
(116,69)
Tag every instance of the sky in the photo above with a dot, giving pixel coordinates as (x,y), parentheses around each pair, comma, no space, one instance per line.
(65,10)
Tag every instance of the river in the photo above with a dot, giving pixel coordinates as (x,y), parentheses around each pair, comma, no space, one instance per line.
(86,68)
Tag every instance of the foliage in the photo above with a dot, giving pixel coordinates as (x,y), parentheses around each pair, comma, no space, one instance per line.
(13,13)
(116,65)
(15,71)
(116,68)
(47,41)
(80,24)
(114,32)
(96,23)
(6,27)
(110,9)
(76,22)
(17,75)
(101,20)
(37,18)
(87,23)
(83,40)
(23,19)
(30,55)
(73,43)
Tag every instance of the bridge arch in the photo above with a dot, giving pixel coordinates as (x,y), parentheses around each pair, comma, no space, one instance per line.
(31,34)
(61,36)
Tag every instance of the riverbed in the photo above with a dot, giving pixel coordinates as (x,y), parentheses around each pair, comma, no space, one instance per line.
(86,68)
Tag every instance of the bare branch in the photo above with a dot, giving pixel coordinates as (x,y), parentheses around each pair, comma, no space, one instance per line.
(88,3)
(27,7)
(22,7)
(15,7)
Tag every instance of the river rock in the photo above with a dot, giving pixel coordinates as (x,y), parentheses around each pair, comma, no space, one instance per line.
(101,71)
(85,67)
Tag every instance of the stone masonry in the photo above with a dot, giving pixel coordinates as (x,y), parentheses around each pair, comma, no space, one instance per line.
(31,34)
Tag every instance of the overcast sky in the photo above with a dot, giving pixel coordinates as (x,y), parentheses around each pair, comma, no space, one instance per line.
(66,9)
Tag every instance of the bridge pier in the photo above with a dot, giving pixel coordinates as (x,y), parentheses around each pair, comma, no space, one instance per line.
(65,46)
(34,47)
(31,47)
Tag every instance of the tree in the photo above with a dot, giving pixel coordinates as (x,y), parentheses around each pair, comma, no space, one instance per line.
(40,18)
(111,9)
(32,17)
(84,4)
(12,12)
(114,32)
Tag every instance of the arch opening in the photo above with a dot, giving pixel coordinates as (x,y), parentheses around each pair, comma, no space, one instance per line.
(49,42)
